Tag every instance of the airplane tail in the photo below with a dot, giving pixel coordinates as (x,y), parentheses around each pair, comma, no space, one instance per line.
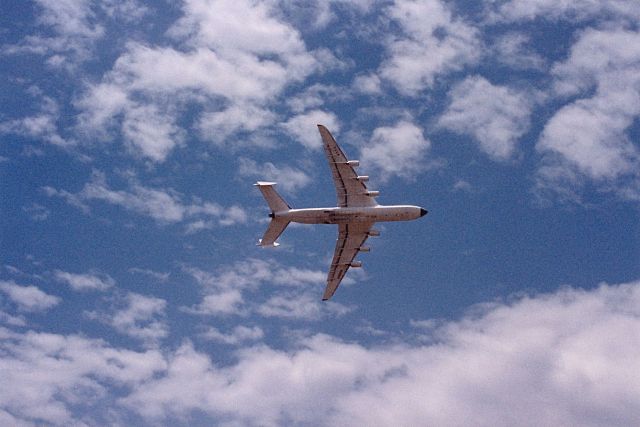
(276,204)
(274,200)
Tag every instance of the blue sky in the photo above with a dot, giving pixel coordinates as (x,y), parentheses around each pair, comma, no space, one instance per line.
(131,289)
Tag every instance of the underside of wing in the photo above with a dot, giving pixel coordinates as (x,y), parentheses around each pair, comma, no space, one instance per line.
(351,237)
(351,190)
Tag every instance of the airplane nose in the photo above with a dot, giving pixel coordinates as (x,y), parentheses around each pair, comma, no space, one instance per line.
(423,212)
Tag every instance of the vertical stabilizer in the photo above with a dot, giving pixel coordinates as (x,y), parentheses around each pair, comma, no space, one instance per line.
(274,200)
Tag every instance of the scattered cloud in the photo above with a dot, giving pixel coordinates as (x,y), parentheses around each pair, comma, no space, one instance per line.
(288,178)
(294,292)
(398,150)
(368,84)
(74,31)
(571,348)
(156,275)
(137,316)
(586,140)
(36,212)
(52,374)
(303,127)
(580,10)
(431,42)
(232,58)
(92,281)
(462,185)
(163,205)
(514,50)
(495,116)
(238,335)
(300,305)
(40,126)
(28,297)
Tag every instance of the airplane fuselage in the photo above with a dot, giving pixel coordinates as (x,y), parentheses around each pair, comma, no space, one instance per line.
(338,215)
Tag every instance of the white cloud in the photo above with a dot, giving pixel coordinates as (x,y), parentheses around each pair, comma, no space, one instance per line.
(36,212)
(515,50)
(74,32)
(575,10)
(586,139)
(92,281)
(232,58)
(566,358)
(496,116)
(294,292)
(315,96)
(153,133)
(288,178)
(163,205)
(216,126)
(303,127)
(300,305)
(42,125)
(156,275)
(238,335)
(397,150)
(28,297)
(368,84)
(432,42)
(51,375)
(137,316)
(12,320)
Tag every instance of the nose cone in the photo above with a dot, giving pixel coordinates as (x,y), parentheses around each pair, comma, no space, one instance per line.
(423,212)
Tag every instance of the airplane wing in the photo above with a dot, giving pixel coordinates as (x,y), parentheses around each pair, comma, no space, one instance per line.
(351,237)
(351,190)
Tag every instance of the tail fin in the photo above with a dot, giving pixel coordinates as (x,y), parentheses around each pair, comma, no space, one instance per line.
(274,200)
(276,204)
(275,229)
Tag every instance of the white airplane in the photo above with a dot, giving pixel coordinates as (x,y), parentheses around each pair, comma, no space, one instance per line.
(355,214)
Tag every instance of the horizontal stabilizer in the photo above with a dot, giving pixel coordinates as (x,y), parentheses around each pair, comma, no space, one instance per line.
(275,229)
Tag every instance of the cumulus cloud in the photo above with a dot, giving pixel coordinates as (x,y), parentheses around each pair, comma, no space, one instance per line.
(368,84)
(495,116)
(92,281)
(577,10)
(156,275)
(288,178)
(52,374)
(514,49)
(231,58)
(294,292)
(74,32)
(137,316)
(42,125)
(562,358)
(565,358)
(587,139)
(303,127)
(28,297)
(397,150)
(238,335)
(163,205)
(431,43)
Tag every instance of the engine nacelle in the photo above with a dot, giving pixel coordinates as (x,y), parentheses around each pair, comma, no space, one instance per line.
(363,178)
(356,264)
(372,193)
(354,163)
(373,233)
(364,249)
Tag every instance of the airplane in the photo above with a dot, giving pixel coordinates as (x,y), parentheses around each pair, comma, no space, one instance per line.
(355,215)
